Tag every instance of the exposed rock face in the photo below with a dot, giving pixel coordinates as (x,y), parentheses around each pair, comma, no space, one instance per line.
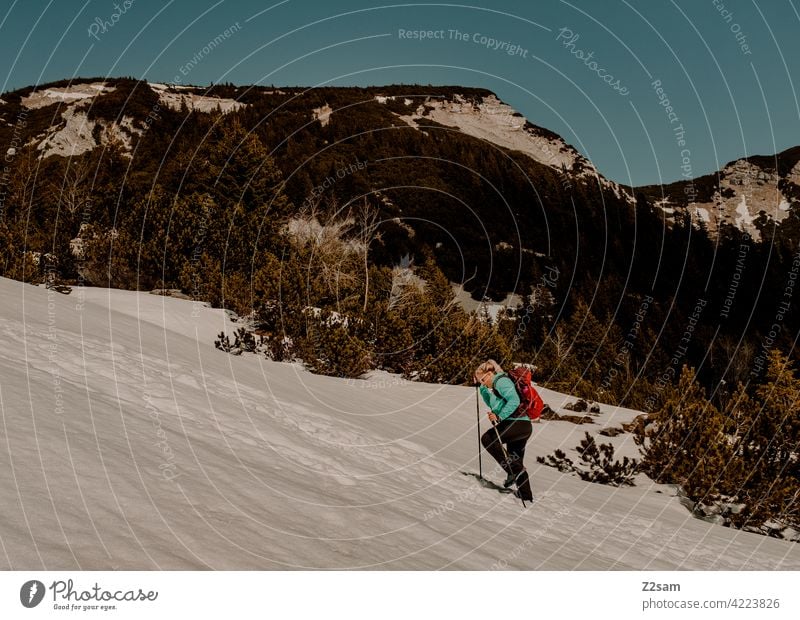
(496,122)
(74,132)
(744,193)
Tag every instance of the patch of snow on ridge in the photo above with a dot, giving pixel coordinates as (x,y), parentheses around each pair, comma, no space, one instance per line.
(197,103)
(703,214)
(409,120)
(122,131)
(322,114)
(74,138)
(159,88)
(68,94)
(743,218)
(77,136)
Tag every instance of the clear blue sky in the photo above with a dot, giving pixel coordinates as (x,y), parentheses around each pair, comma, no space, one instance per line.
(731,100)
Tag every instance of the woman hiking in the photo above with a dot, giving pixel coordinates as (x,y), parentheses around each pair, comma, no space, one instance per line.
(511,427)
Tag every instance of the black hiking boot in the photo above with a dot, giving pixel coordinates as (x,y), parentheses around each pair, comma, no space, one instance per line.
(525,498)
(511,478)
(523,485)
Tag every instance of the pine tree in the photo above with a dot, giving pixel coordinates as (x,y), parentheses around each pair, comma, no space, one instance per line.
(329,348)
(112,260)
(768,446)
(685,442)
(393,343)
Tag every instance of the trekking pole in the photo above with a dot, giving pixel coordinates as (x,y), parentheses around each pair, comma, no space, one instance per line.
(478,423)
(505,455)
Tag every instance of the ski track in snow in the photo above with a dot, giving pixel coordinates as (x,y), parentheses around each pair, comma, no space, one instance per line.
(275,468)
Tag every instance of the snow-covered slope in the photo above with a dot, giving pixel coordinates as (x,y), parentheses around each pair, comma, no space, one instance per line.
(129,442)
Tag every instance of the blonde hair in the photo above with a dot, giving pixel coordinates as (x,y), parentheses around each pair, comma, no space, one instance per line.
(495,366)
(488,366)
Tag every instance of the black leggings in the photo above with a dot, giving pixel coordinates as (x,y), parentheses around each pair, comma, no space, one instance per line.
(515,434)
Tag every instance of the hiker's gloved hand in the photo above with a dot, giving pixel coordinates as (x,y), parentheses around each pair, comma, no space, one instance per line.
(492,417)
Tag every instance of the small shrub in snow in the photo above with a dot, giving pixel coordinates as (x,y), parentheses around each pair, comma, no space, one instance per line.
(223,343)
(330,348)
(244,342)
(549,414)
(598,464)
(579,406)
(602,466)
(559,461)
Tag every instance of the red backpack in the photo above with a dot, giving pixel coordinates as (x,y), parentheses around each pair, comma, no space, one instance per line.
(529,400)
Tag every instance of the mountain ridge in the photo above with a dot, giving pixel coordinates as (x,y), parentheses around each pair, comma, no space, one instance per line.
(475,111)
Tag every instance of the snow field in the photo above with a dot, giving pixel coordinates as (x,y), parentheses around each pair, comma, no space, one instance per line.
(129,442)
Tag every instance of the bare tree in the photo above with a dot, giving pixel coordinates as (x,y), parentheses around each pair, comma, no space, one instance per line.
(339,245)
(331,256)
(22,184)
(73,191)
(367,221)
(739,355)
(562,343)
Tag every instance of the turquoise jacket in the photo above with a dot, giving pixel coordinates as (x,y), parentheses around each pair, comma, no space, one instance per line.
(503,399)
